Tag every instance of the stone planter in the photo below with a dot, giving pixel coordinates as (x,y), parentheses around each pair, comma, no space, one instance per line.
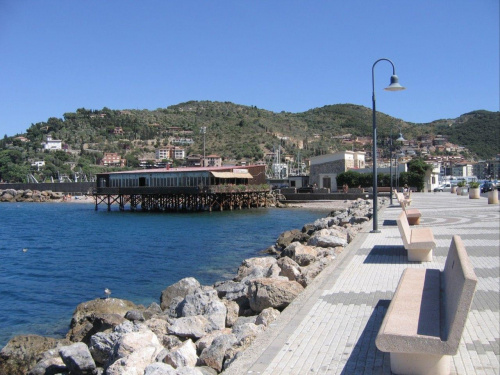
(453,189)
(493,197)
(474,193)
(465,191)
(459,190)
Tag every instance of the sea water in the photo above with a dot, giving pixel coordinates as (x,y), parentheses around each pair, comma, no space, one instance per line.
(54,256)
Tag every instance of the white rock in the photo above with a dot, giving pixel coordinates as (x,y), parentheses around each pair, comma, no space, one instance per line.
(182,356)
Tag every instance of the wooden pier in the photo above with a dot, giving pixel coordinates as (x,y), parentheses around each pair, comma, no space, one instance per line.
(184,189)
(155,200)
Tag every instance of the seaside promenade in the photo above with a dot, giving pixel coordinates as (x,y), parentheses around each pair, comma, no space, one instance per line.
(331,328)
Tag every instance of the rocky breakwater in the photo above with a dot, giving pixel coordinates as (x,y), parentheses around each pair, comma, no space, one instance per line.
(11,195)
(195,329)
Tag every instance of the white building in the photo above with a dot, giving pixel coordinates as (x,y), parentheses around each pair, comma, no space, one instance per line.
(52,144)
(462,170)
(38,164)
(170,152)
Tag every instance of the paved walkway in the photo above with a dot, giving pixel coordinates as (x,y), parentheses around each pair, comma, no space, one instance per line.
(331,327)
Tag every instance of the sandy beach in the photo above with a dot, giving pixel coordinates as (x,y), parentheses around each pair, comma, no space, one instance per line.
(320,205)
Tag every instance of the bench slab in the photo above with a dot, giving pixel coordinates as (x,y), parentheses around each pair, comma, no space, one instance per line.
(425,320)
(413,318)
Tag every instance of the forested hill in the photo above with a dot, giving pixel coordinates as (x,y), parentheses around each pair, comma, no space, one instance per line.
(246,132)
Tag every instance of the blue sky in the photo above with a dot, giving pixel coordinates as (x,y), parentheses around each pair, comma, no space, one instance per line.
(60,55)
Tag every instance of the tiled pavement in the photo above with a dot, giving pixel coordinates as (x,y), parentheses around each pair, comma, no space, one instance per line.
(331,328)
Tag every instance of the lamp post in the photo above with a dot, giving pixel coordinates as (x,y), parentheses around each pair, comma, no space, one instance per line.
(398,156)
(400,139)
(203,130)
(394,86)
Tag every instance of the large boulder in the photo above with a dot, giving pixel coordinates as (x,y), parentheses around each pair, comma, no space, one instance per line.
(323,223)
(267,316)
(22,352)
(255,268)
(332,237)
(159,326)
(301,254)
(309,273)
(286,238)
(207,340)
(6,197)
(78,359)
(96,316)
(56,195)
(213,356)
(246,333)
(102,347)
(289,268)
(182,356)
(205,302)
(193,327)
(234,291)
(134,364)
(159,368)
(276,293)
(132,341)
(180,289)
(134,351)
(233,310)
(49,366)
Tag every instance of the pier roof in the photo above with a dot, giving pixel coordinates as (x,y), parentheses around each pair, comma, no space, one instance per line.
(191,169)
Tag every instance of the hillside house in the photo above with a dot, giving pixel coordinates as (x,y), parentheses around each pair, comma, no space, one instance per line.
(52,144)
(112,159)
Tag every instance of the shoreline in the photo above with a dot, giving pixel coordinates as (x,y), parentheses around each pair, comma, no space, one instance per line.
(308,268)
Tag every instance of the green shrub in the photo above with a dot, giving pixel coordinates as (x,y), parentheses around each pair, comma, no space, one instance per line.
(474,184)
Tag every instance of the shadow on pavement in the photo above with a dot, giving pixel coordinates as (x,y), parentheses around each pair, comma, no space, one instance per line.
(365,358)
(384,254)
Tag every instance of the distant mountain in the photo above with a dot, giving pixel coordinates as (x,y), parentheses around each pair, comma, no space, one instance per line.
(236,132)
(479,131)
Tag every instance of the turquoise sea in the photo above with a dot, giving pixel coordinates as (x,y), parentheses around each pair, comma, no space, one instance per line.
(54,256)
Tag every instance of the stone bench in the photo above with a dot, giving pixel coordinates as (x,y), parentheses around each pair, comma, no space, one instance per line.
(401,198)
(413,215)
(418,241)
(426,317)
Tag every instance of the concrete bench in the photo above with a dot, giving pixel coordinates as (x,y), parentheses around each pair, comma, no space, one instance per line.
(426,317)
(418,241)
(413,215)
(401,198)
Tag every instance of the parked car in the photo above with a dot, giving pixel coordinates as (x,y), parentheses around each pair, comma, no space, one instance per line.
(486,186)
(442,187)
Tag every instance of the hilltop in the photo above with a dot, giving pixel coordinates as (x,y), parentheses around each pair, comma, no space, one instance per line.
(234,132)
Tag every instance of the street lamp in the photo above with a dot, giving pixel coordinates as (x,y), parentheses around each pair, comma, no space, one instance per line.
(203,130)
(400,139)
(398,156)
(394,86)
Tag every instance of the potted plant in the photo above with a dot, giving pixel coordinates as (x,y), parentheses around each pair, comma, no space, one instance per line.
(461,186)
(474,192)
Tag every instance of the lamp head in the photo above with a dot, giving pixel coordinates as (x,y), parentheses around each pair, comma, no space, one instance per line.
(394,86)
(400,139)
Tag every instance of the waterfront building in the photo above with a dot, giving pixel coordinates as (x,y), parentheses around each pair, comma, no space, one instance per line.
(325,168)
(193,189)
